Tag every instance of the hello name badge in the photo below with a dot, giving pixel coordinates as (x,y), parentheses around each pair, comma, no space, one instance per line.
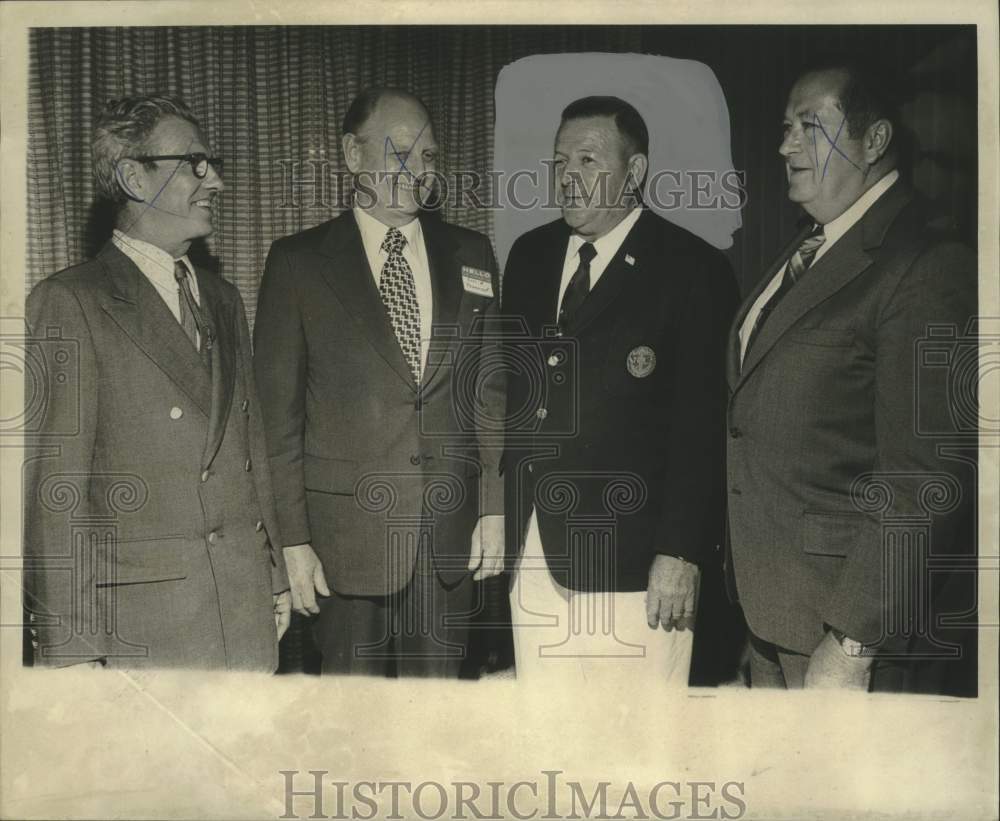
(641,361)
(476,281)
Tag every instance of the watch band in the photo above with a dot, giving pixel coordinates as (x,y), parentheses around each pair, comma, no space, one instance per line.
(851,647)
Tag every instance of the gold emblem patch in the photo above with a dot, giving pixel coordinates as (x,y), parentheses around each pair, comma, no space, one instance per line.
(641,361)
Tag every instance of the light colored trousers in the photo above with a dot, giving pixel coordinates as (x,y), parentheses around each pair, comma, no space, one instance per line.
(588,636)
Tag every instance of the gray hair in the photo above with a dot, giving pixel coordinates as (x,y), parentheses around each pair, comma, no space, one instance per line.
(123,130)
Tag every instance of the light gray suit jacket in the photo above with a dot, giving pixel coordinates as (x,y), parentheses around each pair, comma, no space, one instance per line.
(147,499)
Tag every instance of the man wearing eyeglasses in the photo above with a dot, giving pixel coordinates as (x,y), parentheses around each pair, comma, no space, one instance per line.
(150,537)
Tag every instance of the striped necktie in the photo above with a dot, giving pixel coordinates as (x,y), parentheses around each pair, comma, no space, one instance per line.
(192,320)
(797,265)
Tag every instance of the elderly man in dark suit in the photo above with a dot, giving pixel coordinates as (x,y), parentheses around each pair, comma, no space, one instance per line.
(613,459)
(828,456)
(368,340)
(150,537)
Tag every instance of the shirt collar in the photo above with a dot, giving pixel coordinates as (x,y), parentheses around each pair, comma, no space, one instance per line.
(152,260)
(608,245)
(836,228)
(373,231)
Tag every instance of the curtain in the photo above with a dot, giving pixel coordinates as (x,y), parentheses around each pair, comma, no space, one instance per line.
(271,100)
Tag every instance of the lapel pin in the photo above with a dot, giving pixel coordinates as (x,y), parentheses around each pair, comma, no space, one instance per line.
(630,259)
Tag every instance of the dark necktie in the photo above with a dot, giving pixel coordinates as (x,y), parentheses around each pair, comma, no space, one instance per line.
(192,320)
(399,295)
(796,267)
(579,286)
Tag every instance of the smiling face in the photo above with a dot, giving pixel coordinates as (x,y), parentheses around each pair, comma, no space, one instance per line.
(593,175)
(827,169)
(171,207)
(391,159)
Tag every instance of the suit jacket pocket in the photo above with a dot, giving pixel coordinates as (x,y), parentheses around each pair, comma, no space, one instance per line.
(145,560)
(823,337)
(330,475)
(832,533)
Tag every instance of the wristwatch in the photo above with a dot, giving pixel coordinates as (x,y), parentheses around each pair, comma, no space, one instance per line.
(851,647)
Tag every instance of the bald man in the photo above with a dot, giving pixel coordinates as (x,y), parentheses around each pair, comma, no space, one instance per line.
(367,338)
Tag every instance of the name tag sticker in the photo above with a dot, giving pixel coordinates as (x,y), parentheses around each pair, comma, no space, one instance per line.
(477,281)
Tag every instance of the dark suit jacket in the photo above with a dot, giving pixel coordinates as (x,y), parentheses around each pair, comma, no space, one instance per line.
(621,461)
(147,501)
(829,420)
(360,454)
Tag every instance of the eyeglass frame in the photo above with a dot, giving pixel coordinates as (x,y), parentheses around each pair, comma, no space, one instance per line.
(194,160)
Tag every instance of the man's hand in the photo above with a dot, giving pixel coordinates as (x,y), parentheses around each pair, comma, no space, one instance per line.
(282,612)
(672,593)
(829,666)
(305,575)
(486,555)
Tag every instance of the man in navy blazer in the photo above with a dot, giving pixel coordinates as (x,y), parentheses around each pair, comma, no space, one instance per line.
(150,537)
(368,344)
(615,407)
(848,478)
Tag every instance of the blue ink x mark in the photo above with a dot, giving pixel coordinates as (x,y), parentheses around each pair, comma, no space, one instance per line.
(163,187)
(833,144)
(402,156)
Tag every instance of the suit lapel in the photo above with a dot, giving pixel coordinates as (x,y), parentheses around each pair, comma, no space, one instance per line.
(844,262)
(348,273)
(136,307)
(545,280)
(219,310)
(733,351)
(446,285)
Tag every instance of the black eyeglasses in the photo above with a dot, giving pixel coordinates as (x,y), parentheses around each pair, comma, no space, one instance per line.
(199,162)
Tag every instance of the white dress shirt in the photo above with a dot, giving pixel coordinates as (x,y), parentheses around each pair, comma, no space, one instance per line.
(158,267)
(372,235)
(833,231)
(606,247)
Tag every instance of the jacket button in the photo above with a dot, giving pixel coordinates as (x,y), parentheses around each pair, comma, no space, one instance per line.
(415,459)
(245,406)
(176,413)
(259,526)
(213,537)
(735,432)
(204,476)
(248,466)
(541,413)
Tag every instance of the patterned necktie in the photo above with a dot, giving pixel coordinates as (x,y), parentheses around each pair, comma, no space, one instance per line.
(579,286)
(192,320)
(796,267)
(399,295)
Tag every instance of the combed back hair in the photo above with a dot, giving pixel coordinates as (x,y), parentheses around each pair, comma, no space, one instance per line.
(629,122)
(363,106)
(871,92)
(123,130)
